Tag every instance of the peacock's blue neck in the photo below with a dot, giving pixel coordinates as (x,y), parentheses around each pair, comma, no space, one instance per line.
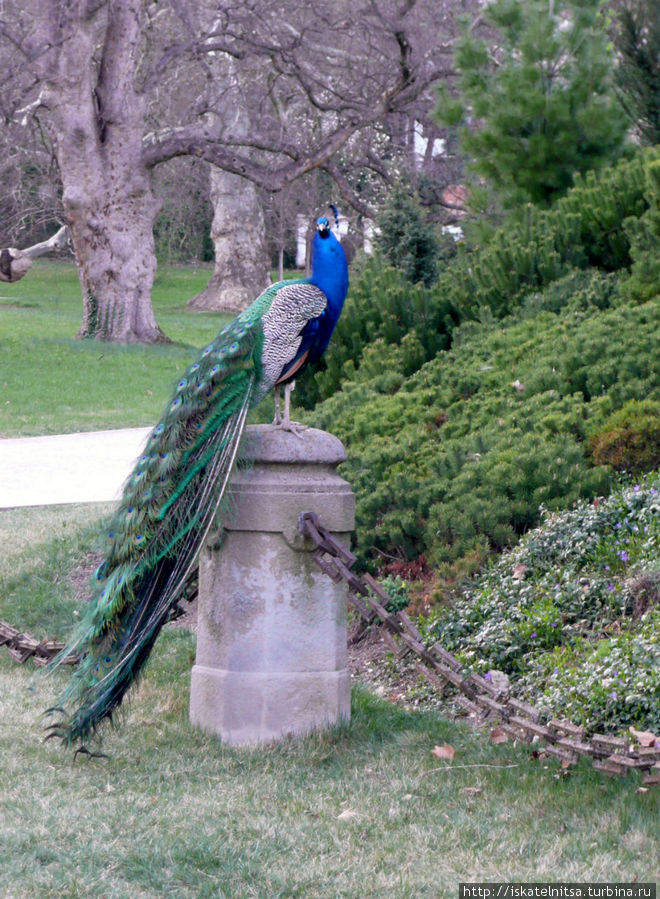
(330,270)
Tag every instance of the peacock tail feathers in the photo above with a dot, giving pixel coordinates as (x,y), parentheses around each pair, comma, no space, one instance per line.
(171,499)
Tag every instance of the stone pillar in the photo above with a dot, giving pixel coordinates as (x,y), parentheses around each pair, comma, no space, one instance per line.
(271,631)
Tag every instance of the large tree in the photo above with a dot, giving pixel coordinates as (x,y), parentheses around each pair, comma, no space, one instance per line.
(124,85)
(637,38)
(536,102)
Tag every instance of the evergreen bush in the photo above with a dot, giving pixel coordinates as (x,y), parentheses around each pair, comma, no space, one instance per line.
(644,233)
(629,440)
(456,459)
(585,229)
(406,240)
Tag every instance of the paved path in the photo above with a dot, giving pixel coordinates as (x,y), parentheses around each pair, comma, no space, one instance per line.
(68,468)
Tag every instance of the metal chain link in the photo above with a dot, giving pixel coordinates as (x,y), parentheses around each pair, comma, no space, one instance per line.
(484,700)
(21,647)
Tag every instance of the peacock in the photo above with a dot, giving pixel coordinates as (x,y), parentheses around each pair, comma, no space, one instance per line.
(171,499)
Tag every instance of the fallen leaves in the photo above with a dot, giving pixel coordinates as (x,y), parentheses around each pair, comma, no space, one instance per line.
(444,752)
(472,791)
(645,738)
(348,814)
(519,571)
(497,735)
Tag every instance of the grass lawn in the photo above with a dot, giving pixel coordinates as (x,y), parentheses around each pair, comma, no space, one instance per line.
(51,383)
(363,810)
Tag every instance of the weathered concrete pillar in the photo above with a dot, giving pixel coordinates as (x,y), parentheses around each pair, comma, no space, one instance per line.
(271,631)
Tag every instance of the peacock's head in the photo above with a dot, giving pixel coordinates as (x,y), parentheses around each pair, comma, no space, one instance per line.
(323,225)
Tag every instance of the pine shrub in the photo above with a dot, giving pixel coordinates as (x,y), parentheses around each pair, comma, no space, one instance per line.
(583,230)
(406,240)
(629,440)
(459,456)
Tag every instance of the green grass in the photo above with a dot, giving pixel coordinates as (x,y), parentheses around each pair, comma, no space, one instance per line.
(362,810)
(51,383)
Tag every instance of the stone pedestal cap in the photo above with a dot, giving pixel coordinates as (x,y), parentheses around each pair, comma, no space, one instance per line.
(287,473)
(267,443)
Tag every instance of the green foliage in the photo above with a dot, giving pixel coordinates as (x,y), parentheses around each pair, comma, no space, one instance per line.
(629,440)
(583,229)
(405,239)
(562,613)
(457,458)
(399,592)
(637,39)
(644,232)
(384,306)
(546,109)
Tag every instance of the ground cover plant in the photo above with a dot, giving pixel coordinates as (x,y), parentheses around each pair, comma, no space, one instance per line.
(572,614)
(360,810)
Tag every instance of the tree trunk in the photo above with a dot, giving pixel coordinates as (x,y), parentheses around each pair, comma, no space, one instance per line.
(242,266)
(112,234)
(97,119)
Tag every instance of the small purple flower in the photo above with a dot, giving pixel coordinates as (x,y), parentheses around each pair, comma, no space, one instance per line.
(653,491)
(533,635)
(488,676)
(554,624)
(611,587)
(618,524)
(556,671)
(623,555)
(636,488)
(613,695)
(606,567)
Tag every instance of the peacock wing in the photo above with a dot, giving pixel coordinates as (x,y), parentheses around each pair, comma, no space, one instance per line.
(296,306)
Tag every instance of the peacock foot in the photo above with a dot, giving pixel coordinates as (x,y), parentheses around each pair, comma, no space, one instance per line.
(294,427)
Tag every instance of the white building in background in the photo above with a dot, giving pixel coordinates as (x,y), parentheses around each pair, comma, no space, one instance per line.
(302,224)
(420,144)
(455,194)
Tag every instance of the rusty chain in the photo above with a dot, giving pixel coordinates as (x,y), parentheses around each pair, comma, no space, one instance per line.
(22,646)
(484,700)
